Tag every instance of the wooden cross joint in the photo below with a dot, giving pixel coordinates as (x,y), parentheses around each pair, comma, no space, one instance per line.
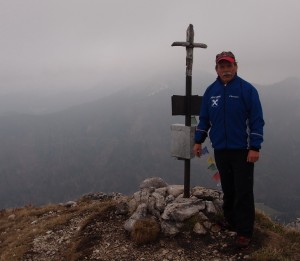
(189,45)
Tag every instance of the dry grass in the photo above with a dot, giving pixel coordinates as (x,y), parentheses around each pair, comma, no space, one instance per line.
(87,236)
(145,231)
(272,241)
(17,233)
(277,242)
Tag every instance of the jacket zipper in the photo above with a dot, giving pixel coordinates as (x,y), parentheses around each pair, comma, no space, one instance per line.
(225,88)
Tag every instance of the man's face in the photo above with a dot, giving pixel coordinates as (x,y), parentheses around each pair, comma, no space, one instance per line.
(226,70)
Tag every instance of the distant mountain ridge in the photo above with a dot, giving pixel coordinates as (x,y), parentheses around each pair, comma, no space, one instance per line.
(113,143)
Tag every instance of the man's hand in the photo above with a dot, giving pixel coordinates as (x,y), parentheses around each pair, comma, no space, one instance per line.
(253,156)
(197,149)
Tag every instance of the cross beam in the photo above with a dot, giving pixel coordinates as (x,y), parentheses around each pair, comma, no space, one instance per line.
(189,45)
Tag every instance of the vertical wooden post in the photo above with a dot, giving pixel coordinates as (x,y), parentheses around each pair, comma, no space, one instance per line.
(189,45)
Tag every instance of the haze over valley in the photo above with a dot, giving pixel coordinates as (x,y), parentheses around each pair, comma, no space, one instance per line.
(111,142)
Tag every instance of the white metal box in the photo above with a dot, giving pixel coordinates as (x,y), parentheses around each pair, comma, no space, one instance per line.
(182,141)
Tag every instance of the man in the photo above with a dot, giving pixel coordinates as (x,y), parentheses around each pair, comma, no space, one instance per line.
(231,113)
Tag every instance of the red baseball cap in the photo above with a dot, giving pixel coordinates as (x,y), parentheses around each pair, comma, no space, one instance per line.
(228,56)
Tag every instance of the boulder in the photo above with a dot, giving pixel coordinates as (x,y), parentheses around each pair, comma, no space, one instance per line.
(180,211)
(175,190)
(154,182)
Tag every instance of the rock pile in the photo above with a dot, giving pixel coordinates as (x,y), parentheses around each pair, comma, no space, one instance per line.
(175,214)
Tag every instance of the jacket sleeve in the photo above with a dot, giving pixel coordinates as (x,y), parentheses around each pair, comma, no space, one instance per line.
(256,121)
(204,124)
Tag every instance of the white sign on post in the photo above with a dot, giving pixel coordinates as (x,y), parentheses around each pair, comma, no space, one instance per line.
(182,141)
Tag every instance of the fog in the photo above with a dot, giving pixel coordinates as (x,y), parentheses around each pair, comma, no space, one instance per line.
(60,45)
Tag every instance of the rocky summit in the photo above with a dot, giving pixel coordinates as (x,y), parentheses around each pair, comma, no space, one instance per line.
(155,223)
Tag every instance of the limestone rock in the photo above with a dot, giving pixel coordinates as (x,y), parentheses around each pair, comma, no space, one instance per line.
(140,213)
(154,182)
(11,217)
(169,199)
(160,202)
(205,193)
(210,207)
(170,228)
(199,229)
(175,190)
(180,211)
(162,191)
(69,204)
(142,196)
(295,224)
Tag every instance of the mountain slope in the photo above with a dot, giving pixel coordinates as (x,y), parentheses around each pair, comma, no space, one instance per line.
(113,143)
(92,229)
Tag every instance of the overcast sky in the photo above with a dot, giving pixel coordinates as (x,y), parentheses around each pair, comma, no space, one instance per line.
(82,43)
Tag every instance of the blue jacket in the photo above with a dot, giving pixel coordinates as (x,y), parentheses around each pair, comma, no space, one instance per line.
(232,115)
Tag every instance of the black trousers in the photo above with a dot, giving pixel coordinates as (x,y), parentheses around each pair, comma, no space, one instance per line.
(237,185)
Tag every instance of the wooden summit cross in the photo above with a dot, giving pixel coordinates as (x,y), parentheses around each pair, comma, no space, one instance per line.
(189,104)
